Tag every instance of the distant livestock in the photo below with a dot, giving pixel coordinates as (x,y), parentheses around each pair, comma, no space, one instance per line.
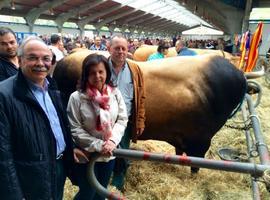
(142,53)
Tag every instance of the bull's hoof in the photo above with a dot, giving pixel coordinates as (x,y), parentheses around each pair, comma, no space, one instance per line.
(194,170)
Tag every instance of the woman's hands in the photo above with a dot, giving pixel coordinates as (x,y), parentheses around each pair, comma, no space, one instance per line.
(108,147)
(80,156)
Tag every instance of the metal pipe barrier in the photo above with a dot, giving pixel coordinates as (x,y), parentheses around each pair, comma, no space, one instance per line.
(254,183)
(94,182)
(260,145)
(255,170)
(257,89)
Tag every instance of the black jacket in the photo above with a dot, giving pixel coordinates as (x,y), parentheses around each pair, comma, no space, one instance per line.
(27,143)
(7,69)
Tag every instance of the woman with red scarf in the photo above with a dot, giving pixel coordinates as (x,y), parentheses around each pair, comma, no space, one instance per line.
(98,118)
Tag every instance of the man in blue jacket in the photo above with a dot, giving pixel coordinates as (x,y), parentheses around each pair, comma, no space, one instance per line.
(182,50)
(35,142)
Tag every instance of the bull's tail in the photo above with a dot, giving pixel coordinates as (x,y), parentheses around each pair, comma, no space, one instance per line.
(228,86)
(237,108)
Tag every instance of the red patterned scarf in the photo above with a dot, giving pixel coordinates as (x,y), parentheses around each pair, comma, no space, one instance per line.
(100,102)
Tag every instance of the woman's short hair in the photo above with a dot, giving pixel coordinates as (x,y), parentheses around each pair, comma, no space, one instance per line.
(89,62)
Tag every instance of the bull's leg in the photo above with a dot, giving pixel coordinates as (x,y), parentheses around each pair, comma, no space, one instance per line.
(197,149)
(178,151)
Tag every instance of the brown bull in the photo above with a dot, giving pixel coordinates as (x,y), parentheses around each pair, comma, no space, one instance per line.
(188,99)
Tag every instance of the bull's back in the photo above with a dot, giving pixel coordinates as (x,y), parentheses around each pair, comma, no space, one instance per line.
(187,92)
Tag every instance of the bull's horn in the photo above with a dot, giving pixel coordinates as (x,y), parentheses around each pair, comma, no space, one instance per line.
(256,74)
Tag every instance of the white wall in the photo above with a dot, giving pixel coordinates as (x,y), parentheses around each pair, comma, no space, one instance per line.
(16,27)
(71,31)
(44,30)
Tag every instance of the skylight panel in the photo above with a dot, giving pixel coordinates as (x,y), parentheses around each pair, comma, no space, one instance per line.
(167,9)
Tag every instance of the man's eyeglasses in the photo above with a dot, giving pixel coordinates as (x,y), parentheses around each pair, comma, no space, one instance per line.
(46,59)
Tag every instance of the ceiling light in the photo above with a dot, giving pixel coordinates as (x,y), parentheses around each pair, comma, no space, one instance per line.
(195,9)
(12,5)
(51,11)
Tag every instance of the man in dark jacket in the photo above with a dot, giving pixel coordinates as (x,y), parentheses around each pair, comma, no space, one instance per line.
(8,53)
(35,141)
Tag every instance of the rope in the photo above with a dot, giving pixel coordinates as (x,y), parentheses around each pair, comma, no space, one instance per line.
(245,127)
(240,121)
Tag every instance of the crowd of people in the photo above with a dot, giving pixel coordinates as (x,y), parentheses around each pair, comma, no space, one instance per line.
(41,141)
(101,43)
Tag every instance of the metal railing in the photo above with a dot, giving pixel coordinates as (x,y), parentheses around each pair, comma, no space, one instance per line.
(256,171)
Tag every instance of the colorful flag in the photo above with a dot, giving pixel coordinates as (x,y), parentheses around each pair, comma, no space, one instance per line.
(244,48)
(242,43)
(253,51)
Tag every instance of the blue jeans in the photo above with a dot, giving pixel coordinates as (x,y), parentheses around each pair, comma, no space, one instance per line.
(103,171)
(122,164)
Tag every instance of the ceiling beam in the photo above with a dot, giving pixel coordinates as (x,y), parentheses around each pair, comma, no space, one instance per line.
(134,18)
(34,13)
(63,17)
(144,19)
(127,13)
(154,21)
(203,6)
(4,3)
(162,26)
(115,17)
(86,20)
